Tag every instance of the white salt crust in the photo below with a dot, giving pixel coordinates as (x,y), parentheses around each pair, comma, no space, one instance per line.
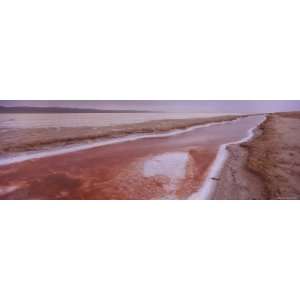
(172,165)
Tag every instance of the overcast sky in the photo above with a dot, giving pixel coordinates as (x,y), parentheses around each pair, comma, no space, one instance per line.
(210,106)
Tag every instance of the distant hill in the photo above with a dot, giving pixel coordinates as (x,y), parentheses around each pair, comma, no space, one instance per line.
(58,110)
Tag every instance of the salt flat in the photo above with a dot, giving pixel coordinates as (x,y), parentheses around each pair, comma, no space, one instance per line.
(42,120)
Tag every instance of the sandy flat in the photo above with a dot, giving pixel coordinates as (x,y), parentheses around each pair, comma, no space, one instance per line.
(23,139)
(52,120)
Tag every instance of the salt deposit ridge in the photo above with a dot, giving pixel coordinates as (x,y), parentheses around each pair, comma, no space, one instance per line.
(20,157)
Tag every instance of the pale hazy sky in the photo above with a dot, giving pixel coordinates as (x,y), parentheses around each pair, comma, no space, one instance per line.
(210,106)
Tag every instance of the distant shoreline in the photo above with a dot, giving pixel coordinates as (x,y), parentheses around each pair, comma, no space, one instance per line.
(61,110)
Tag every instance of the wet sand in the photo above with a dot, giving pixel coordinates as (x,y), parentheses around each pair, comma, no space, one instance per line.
(171,167)
(268,166)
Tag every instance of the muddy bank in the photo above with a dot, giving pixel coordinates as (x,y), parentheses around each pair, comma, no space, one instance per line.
(19,140)
(268,166)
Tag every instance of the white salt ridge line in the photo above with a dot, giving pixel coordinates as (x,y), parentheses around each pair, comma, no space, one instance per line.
(209,185)
(74,148)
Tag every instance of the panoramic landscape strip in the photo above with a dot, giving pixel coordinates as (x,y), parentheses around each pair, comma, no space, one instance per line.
(149,150)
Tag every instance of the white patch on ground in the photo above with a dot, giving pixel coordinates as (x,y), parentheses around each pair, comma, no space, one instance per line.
(7,189)
(171,165)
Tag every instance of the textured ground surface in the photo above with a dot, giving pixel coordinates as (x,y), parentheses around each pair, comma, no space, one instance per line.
(268,167)
(19,140)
